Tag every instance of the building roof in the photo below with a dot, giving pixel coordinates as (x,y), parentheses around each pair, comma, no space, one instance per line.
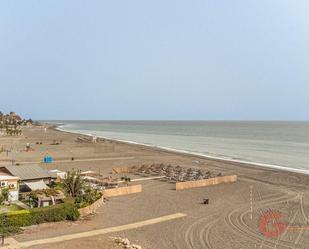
(4,172)
(6,177)
(37,185)
(58,173)
(28,171)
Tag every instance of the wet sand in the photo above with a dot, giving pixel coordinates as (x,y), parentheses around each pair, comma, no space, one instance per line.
(225,223)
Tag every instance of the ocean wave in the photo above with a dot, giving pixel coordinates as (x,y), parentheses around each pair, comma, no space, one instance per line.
(199,154)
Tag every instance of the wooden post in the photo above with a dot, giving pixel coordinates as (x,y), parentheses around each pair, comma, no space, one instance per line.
(251,203)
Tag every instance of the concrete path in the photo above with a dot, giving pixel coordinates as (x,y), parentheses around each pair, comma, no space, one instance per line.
(81,160)
(15,244)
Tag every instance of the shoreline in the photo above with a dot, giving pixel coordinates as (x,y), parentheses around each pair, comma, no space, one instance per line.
(242,163)
(269,188)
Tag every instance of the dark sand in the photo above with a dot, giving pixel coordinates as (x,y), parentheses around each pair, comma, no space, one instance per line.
(225,223)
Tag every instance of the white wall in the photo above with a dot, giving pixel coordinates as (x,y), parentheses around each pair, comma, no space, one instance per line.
(14,195)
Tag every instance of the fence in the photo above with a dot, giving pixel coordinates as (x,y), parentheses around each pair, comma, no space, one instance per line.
(122,191)
(206,182)
(120,170)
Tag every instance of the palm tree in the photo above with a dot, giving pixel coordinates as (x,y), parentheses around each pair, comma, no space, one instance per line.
(73,183)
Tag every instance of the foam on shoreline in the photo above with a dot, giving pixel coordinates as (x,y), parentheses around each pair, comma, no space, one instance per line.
(264,165)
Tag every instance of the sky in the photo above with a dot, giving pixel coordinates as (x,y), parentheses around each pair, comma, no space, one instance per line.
(166,60)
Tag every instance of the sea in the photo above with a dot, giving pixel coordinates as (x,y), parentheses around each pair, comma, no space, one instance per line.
(282,145)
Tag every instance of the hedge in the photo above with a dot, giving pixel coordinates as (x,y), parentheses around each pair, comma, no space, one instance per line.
(34,216)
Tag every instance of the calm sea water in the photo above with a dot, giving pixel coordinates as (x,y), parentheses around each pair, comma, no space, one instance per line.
(276,143)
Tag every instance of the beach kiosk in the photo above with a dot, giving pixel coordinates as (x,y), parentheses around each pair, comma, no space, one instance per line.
(48,159)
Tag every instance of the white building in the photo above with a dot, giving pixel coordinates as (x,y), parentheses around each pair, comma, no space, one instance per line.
(10,183)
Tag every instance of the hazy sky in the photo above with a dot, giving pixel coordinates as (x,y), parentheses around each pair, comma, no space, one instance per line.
(240,59)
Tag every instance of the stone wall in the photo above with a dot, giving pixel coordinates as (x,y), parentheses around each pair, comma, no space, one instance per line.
(91,209)
(206,182)
(122,191)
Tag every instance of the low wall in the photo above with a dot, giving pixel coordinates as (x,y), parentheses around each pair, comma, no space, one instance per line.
(122,191)
(206,182)
(91,209)
(120,170)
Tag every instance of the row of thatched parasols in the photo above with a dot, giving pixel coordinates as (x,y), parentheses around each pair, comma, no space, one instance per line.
(173,173)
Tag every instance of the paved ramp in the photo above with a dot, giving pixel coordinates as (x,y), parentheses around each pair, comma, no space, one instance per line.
(16,244)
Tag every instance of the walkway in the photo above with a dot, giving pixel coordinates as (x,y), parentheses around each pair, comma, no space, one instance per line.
(82,160)
(15,244)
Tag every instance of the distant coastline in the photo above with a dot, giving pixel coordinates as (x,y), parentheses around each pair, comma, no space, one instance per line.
(60,127)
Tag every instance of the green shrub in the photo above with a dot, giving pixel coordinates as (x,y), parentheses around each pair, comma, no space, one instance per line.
(69,200)
(72,212)
(90,196)
(1,199)
(48,214)
(6,228)
(19,218)
(34,216)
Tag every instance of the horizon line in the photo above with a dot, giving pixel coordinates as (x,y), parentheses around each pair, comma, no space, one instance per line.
(182,120)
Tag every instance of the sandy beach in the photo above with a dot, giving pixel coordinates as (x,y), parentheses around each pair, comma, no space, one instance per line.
(236,210)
